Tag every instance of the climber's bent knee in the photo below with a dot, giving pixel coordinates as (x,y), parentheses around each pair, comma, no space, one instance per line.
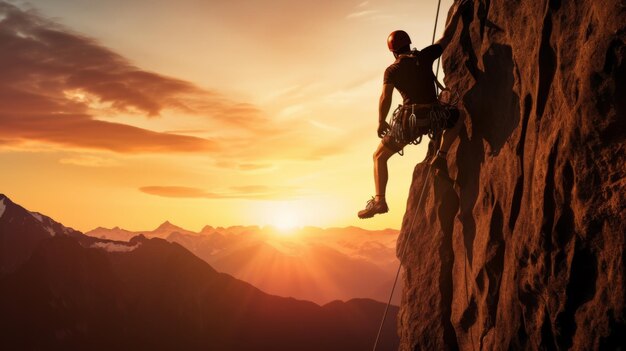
(383,153)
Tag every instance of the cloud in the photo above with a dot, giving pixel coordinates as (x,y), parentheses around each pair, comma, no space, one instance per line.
(251,189)
(324,126)
(364,11)
(245,166)
(360,14)
(115,247)
(89,161)
(249,192)
(82,131)
(56,82)
(61,88)
(177,191)
(254,166)
(330,149)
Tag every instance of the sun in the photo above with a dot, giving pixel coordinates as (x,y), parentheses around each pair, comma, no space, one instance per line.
(285,219)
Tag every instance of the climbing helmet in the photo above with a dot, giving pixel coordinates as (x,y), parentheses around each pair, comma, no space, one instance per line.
(397,40)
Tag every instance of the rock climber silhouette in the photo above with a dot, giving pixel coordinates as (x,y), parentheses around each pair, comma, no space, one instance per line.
(412,75)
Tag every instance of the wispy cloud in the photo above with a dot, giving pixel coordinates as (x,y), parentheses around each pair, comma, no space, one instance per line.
(254,166)
(360,14)
(364,11)
(54,81)
(245,166)
(248,192)
(115,246)
(324,126)
(61,88)
(89,161)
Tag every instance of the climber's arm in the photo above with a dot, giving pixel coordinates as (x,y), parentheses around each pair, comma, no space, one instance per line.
(384,105)
(461,6)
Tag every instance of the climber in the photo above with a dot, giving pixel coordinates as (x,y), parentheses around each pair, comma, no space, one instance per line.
(411,74)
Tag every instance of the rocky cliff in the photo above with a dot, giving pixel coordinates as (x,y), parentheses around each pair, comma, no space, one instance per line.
(526,250)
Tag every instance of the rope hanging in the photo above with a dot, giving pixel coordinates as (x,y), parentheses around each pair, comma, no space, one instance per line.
(406,244)
(433,42)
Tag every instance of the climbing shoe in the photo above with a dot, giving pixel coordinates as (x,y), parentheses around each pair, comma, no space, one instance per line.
(373,207)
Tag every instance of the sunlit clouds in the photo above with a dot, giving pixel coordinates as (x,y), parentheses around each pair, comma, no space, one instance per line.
(66,89)
(221,113)
(250,192)
(50,75)
(89,161)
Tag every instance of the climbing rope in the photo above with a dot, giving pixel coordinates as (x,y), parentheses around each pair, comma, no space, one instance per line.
(419,205)
(433,42)
(406,244)
(436,20)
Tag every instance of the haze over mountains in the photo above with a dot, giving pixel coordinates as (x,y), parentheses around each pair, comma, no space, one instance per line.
(61,289)
(315,264)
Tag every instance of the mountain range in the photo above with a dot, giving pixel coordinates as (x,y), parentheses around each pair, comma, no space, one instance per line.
(61,289)
(315,264)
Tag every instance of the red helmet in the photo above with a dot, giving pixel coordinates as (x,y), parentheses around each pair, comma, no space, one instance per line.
(397,40)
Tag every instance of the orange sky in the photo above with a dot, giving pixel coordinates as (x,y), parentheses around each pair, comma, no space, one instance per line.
(116,113)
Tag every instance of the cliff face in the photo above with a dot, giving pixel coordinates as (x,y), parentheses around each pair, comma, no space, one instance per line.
(526,251)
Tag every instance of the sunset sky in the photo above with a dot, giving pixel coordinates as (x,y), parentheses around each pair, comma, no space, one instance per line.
(130,113)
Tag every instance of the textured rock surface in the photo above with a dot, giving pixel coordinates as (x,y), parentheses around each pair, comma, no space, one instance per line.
(527,250)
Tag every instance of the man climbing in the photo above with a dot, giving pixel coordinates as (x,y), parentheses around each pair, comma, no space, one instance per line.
(411,74)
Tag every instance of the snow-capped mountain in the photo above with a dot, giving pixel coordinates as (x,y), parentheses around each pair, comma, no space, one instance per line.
(62,290)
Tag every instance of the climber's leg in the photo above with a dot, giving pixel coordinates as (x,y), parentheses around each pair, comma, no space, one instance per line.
(381,173)
(383,152)
(449,135)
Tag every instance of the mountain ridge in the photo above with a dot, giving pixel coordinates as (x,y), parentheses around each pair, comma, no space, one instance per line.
(72,291)
(316,264)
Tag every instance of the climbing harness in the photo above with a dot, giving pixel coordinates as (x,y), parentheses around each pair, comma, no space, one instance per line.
(407,128)
(410,122)
(439,115)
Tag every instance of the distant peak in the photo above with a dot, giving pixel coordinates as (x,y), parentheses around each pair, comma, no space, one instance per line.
(167,225)
(138,239)
(207,229)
